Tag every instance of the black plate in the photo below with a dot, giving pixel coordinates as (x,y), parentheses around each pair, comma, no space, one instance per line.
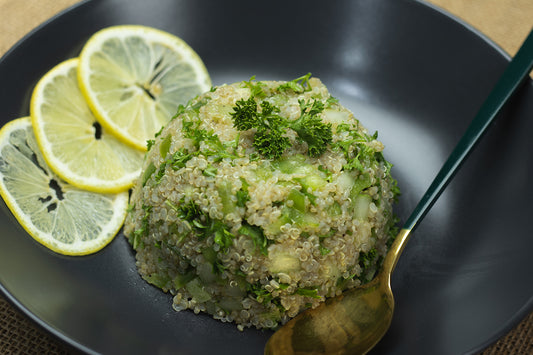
(404,68)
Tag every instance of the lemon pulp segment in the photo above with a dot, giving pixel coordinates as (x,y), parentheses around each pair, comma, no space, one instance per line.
(58,215)
(135,77)
(73,142)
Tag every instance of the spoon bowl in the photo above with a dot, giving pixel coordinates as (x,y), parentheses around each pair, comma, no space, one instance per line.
(351,323)
(355,321)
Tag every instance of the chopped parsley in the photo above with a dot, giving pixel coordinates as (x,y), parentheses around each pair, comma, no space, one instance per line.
(136,239)
(256,87)
(202,225)
(180,158)
(369,263)
(307,292)
(210,171)
(256,234)
(298,85)
(242,194)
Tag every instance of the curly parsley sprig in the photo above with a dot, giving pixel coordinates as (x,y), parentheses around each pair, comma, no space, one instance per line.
(270,138)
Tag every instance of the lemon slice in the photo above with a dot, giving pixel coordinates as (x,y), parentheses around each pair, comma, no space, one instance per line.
(73,143)
(66,219)
(135,77)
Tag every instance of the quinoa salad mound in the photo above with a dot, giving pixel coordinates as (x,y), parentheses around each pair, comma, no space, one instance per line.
(259,200)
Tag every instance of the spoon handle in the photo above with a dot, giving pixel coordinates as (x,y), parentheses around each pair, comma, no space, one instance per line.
(515,73)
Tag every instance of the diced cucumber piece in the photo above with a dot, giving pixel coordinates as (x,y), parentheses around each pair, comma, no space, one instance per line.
(279,100)
(334,209)
(225,110)
(330,270)
(165,146)
(206,273)
(336,116)
(304,220)
(197,290)
(345,181)
(298,200)
(210,255)
(230,303)
(263,173)
(361,205)
(158,280)
(148,172)
(312,181)
(238,290)
(294,164)
(229,205)
(274,227)
(182,279)
(283,262)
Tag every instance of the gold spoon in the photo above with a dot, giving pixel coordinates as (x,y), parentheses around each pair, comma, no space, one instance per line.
(354,322)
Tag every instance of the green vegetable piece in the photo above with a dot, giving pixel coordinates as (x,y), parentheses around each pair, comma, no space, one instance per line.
(334,209)
(158,280)
(242,194)
(313,182)
(283,262)
(311,129)
(257,236)
(197,290)
(274,227)
(298,200)
(298,85)
(160,172)
(149,144)
(187,211)
(308,292)
(180,158)
(305,221)
(196,106)
(182,279)
(210,171)
(324,250)
(256,87)
(294,164)
(361,206)
(165,146)
(224,191)
(271,144)
(223,237)
(150,169)
(210,255)
(361,183)
(367,261)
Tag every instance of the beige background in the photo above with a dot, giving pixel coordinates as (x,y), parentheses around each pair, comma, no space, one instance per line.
(507,22)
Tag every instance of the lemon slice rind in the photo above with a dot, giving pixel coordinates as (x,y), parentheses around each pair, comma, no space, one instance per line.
(75,222)
(65,129)
(135,77)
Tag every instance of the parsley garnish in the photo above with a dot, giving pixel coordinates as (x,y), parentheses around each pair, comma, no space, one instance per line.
(311,129)
(270,138)
(297,85)
(256,87)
